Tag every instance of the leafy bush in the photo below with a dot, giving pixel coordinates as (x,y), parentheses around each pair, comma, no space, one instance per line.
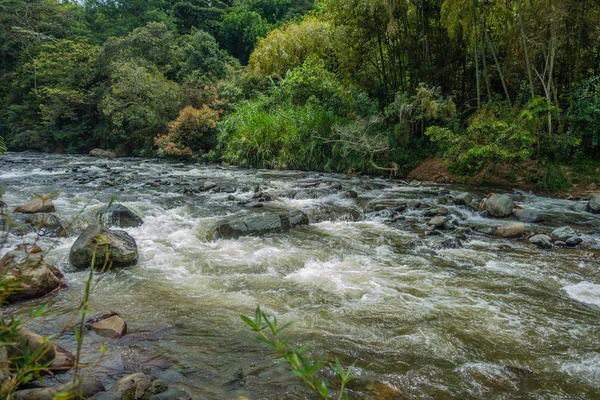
(553,180)
(584,116)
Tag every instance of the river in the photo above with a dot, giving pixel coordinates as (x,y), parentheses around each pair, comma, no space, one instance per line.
(464,315)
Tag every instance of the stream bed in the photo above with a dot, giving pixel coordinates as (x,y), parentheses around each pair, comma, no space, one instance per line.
(450,314)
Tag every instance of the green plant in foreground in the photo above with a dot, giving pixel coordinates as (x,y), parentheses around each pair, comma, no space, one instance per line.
(301,365)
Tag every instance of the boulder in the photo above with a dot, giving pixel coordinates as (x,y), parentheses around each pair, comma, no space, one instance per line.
(525,215)
(259,223)
(44,224)
(208,185)
(351,194)
(39,205)
(512,230)
(37,345)
(37,278)
(574,241)
(462,199)
(107,396)
(499,205)
(102,153)
(593,205)
(136,386)
(63,360)
(563,234)
(542,241)
(438,222)
(121,248)
(112,327)
(120,216)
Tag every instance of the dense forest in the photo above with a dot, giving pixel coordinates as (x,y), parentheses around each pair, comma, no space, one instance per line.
(334,85)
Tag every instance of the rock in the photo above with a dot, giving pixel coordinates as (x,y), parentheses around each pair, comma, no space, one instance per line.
(44,224)
(37,278)
(351,194)
(228,189)
(499,205)
(39,205)
(260,223)
(135,386)
(525,215)
(38,346)
(574,241)
(31,248)
(208,185)
(542,241)
(512,230)
(593,205)
(121,216)
(112,327)
(122,248)
(255,204)
(88,388)
(563,234)
(107,396)
(442,211)
(462,199)
(172,395)
(102,153)
(63,360)
(438,222)
(441,201)
(153,183)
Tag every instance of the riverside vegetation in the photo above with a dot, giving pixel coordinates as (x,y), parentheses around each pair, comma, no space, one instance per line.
(496,87)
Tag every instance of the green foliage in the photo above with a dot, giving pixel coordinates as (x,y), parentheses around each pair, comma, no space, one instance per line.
(2,146)
(489,138)
(202,59)
(553,180)
(240,30)
(138,104)
(269,334)
(584,116)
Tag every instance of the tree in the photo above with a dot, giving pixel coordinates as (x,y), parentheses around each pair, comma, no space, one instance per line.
(202,58)
(137,105)
(239,32)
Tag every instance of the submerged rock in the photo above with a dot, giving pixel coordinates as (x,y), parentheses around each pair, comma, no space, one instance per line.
(542,241)
(39,205)
(121,216)
(512,230)
(37,278)
(44,224)
(525,215)
(593,205)
(121,247)
(499,205)
(260,223)
(112,327)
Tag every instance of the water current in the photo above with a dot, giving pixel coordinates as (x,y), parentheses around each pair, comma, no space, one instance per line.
(462,315)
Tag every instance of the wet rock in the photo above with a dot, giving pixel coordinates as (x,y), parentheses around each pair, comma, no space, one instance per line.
(525,215)
(512,230)
(39,205)
(208,185)
(442,201)
(462,199)
(574,241)
(172,395)
(63,360)
(88,388)
(302,195)
(351,194)
(563,234)
(37,278)
(44,224)
(429,213)
(541,241)
(120,216)
(31,248)
(112,327)
(228,189)
(255,204)
(102,153)
(499,205)
(231,197)
(153,183)
(438,222)
(122,248)
(560,243)
(442,211)
(135,386)
(36,344)
(107,396)
(593,205)
(261,223)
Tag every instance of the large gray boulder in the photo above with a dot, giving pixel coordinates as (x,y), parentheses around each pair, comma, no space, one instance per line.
(541,241)
(499,205)
(120,216)
(593,205)
(462,199)
(259,223)
(39,205)
(36,277)
(121,248)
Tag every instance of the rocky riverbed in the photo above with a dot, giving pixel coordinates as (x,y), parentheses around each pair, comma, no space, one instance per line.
(436,291)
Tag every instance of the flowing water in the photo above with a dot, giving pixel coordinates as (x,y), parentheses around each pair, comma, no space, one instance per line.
(464,315)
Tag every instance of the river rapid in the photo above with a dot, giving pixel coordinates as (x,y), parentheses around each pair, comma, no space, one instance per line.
(461,315)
